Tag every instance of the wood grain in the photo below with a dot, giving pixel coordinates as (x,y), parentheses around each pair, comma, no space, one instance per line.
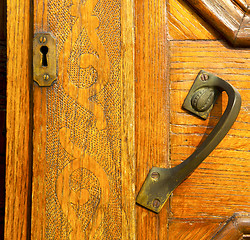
(193,212)
(220,186)
(84,167)
(183,23)
(128,121)
(229,17)
(19,120)
(39,138)
(185,229)
(164,72)
(151,108)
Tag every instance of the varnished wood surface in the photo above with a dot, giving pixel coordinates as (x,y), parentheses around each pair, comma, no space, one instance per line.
(183,23)
(166,64)
(229,17)
(195,229)
(220,185)
(84,167)
(151,108)
(19,120)
(194,211)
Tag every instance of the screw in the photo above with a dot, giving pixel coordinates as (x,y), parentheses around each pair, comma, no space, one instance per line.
(204,77)
(46,77)
(156,203)
(155,176)
(43,39)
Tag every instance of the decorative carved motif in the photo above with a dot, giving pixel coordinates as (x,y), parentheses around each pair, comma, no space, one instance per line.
(83,180)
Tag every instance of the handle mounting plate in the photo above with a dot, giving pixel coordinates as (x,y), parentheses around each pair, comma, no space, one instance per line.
(200,100)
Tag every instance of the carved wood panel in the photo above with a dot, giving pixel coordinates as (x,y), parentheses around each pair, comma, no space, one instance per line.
(83,125)
(80,136)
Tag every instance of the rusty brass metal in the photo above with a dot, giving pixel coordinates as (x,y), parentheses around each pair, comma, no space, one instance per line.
(161,182)
(44,59)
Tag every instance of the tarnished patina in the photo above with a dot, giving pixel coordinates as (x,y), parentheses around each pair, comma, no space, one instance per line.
(44,59)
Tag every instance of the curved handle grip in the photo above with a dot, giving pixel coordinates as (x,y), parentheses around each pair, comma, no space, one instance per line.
(161,182)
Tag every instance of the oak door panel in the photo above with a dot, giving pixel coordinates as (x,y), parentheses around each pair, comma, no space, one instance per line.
(220,185)
(18,120)
(83,141)
(84,183)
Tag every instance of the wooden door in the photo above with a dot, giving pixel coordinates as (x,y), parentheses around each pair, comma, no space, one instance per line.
(220,186)
(79,151)
(79,168)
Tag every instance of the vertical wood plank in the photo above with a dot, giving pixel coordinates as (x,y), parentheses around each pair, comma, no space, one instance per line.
(152,113)
(128,121)
(84,167)
(39,136)
(19,119)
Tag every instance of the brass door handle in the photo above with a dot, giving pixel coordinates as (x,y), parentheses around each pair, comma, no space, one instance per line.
(161,182)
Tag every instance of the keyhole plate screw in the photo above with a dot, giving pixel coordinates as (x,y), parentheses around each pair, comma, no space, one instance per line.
(43,39)
(46,77)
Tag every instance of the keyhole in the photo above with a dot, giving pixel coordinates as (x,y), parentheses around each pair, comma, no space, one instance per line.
(44,50)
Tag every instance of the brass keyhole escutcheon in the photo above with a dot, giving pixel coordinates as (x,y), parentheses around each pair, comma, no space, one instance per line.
(44,50)
(44,59)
